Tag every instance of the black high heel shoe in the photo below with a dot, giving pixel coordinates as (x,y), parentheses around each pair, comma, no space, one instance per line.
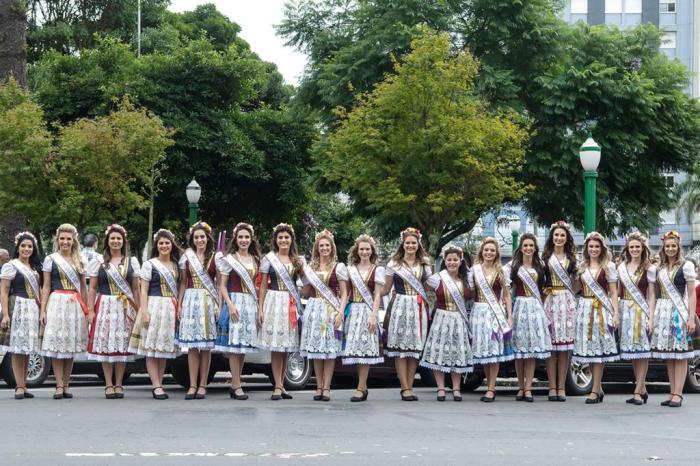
(356,399)
(318,396)
(487,399)
(191,396)
(598,398)
(552,397)
(635,401)
(528,399)
(441,397)
(520,395)
(274,397)
(159,396)
(645,397)
(325,397)
(404,397)
(456,395)
(676,404)
(232,394)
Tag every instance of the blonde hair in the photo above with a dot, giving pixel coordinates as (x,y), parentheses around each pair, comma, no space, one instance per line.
(664,259)
(496,260)
(316,255)
(75,249)
(605,254)
(353,254)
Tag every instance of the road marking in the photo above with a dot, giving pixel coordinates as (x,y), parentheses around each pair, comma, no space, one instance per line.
(199,454)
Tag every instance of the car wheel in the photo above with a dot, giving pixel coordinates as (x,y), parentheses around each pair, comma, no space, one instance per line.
(692,381)
(298,372)
(38,370)
(472,381)
(579,380)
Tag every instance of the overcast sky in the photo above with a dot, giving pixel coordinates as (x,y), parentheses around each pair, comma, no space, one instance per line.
(257,18)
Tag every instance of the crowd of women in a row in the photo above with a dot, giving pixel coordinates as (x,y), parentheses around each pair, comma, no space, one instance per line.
(240,301)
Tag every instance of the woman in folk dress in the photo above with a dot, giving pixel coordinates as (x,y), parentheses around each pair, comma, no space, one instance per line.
(21,281)
(323,314)
(153,335)
(491,321)
(597,314)
(113,299)
(366,280)
(279,304)
(407,327)
(559,257)
(637,306)
(674,319)
(63,308)
(447,349)
(238,331)
(199,307)
(531,338)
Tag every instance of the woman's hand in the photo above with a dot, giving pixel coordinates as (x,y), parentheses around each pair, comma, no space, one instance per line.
(372,323)
(338,320)
(146,319)
(5,324)
(234,313)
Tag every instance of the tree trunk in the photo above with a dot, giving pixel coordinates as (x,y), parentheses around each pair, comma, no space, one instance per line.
(13,48)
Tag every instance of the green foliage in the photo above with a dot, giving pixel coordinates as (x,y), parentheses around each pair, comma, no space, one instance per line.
(423,149)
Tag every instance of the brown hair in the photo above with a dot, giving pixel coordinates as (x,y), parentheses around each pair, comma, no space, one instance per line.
(106,251)
(421,255)
(353,254)
(316,255)
(646,252)
(664,259)
(253,249)
(605,254)
(293,254)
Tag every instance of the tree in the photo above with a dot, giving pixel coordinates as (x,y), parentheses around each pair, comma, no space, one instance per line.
(13,55)
(422,149)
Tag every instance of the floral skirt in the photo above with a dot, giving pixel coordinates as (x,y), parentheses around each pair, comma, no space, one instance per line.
(531,338)
(318,338)
(634,339)
(408,327)
(279,331)
(560,309)
(65,333)
(670,339)
(111,330)
(197,320)
(447,347)
(361,345)
(24,334)
(489,343)
(594,341)
(158,339)
(240,336)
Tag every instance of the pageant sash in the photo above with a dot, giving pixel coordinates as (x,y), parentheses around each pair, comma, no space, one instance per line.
(456,296)
(633,289)
(321,287)
(167,275)
(242,272)
(68,270)
(678,302)
(561,273)
(528,281)
(29,277)
(407,276)
(493,302)
(202,274)
(603,304)
(361,286)
(281,272)
(119,281)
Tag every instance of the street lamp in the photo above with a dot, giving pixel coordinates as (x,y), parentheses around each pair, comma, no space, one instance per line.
(193,192)
(514,224)
(590,158)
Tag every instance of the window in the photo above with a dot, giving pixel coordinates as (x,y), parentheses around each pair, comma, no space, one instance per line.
(623,6)
(613,6)
(667,6)
(670,181)
(668,40)
(579,7)
(633,6)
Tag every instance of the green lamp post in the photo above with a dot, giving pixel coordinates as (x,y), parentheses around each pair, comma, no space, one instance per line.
(590,158)
(514,225)
(193,192)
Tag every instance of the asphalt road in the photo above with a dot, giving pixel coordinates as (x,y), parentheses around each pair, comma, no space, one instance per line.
(90,430)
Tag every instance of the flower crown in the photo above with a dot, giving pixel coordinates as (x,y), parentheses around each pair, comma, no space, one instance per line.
(560,224)
(116,227)
(282,225)
(200,224)
(324,234)
(452,248)
(364,237)
(594,235)
(410,231)
(636,235)
(24,233)
(673,234)
(164,232)
(242,225)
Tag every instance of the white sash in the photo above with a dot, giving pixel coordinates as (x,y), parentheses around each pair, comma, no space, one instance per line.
(68,270)
(113,273)
(407,276)
(633,289)
(456,296)
(29,277)
(321,287)
(561,273)
(527,280)
(201,274)
(243,273)
(493,302)
(359,283)
(281,272)
(599,293)
(166,275)
(673,293)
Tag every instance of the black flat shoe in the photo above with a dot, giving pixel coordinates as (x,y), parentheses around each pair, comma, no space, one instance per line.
(58,395)
(27,394)
(519,396)
(665,402)
(22,395)
(487,399)
(274,397)
(191,396)
(441,397)
(286,396)
(232,394)
(325,397)
(110,396)
(118,394)
(200,396)
(159,396)
(317,396)
(356,399)
(676,404)
(528,399)
(552,397)
(635,401)
(598,399)
(456,395)
(67,394)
